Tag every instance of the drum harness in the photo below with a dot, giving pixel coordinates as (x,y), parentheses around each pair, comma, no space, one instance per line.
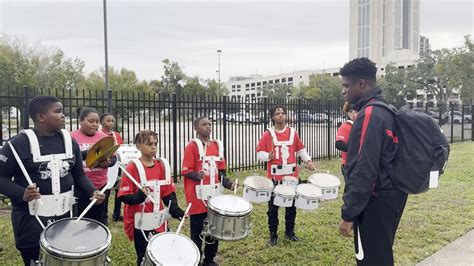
(155,219)
(58,203)
(206,192)
(285,168)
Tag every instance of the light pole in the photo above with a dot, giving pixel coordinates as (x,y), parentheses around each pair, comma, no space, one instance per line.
(219,67)
(106,70)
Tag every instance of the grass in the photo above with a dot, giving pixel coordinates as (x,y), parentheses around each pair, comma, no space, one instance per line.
(431,221)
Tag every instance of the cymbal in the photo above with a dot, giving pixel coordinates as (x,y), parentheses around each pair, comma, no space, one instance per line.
(101,151)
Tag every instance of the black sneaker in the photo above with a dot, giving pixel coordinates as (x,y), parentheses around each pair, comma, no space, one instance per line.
(292,237)
(117,219)
(273,239)
(213,263)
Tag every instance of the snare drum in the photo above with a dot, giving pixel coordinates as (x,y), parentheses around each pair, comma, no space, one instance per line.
(127,152)
(83,244)
(257,189)
(329,185)
(307,197)
(284,196)
(171,249)
(228,217)
(290,181)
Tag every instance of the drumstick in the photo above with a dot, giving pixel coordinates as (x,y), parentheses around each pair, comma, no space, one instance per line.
(235,185)
(23,170)
(322,170)
(184,218)
(135,181)
(89,206)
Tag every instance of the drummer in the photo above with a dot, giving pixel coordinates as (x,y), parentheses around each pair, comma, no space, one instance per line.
(203,163)
(35,148)
(108,127)
(343,132)
(279,146)
(86,136)
(137,206)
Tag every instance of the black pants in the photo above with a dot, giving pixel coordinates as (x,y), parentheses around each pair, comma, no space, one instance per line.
(377,226)
(210,250)
(29,254)
(140,243)
(117,206)
(290,216)
(97,212)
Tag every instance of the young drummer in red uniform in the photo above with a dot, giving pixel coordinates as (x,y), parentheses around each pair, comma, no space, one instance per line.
(203,159)
(279,147)
(143,218)
(108,127)
(342,135)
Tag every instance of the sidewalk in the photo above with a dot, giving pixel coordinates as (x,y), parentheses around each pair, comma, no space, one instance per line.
(459,252)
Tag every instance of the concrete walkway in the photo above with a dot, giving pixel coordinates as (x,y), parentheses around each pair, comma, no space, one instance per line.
(459,252)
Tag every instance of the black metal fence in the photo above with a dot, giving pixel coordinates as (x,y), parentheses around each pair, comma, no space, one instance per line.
(238,123)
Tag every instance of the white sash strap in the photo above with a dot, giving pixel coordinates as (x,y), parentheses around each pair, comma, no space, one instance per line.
(285,169)
(206,192)
(277,142)
(53,205)
(35,148)
(150,221)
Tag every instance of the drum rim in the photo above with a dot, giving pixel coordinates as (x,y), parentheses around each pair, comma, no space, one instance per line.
(51,250)
(269,182)
(309,197)
(230,213)
(149,253)
(281,194)
(313,180)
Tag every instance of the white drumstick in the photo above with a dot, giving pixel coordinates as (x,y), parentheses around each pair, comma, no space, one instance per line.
(135,181)
(322,170)
(23,170)
(235,185)
(184,218)
(88,207)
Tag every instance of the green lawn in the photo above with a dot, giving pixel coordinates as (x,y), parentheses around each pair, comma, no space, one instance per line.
(431,220)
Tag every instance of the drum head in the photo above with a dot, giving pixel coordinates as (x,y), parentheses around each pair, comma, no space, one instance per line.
(290,178)
(230,205)
(284,190)
(324,180)
(171,249)
(309,191)
(84,239)
(258,182)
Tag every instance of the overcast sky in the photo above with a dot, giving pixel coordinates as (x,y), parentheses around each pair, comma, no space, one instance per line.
(264,37)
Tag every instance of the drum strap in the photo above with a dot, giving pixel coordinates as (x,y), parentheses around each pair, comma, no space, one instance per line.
(282,145)
(61,202)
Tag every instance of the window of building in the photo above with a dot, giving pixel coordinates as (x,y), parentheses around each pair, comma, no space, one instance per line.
(233,86)
(277,81)
(238,86)
(290,79)
(247,85)
(335,74)
(259,83)
(283,80)
(253,84)
(401,67)
(270,81)
(419,104)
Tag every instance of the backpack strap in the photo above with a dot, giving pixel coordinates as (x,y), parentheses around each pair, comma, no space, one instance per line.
(382,104)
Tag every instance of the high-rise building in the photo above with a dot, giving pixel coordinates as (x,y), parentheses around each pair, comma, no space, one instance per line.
(385,30)
(424,44)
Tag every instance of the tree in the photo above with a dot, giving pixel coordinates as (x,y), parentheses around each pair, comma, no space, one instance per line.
(213,88)
(395,86)
(279,90)
(172,77)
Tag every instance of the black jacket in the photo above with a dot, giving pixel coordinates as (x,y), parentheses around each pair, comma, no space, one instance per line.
(371,150)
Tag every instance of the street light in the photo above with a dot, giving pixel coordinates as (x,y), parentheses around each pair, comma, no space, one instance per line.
(109,93)
(219,66)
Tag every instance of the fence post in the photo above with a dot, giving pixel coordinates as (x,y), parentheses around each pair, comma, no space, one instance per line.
(451,108)
(109,102)
(175,138)
(265,112)
(472,120)
(25,124)
(329,127)
(224,124)
(462,122)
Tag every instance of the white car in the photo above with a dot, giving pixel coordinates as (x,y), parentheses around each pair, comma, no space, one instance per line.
(457,117)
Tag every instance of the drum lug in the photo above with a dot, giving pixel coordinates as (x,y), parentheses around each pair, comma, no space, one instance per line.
(107,261)
(37,263)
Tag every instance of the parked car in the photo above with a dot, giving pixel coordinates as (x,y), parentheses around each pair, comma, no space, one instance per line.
(5,132)
(320,117)
(457,117)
